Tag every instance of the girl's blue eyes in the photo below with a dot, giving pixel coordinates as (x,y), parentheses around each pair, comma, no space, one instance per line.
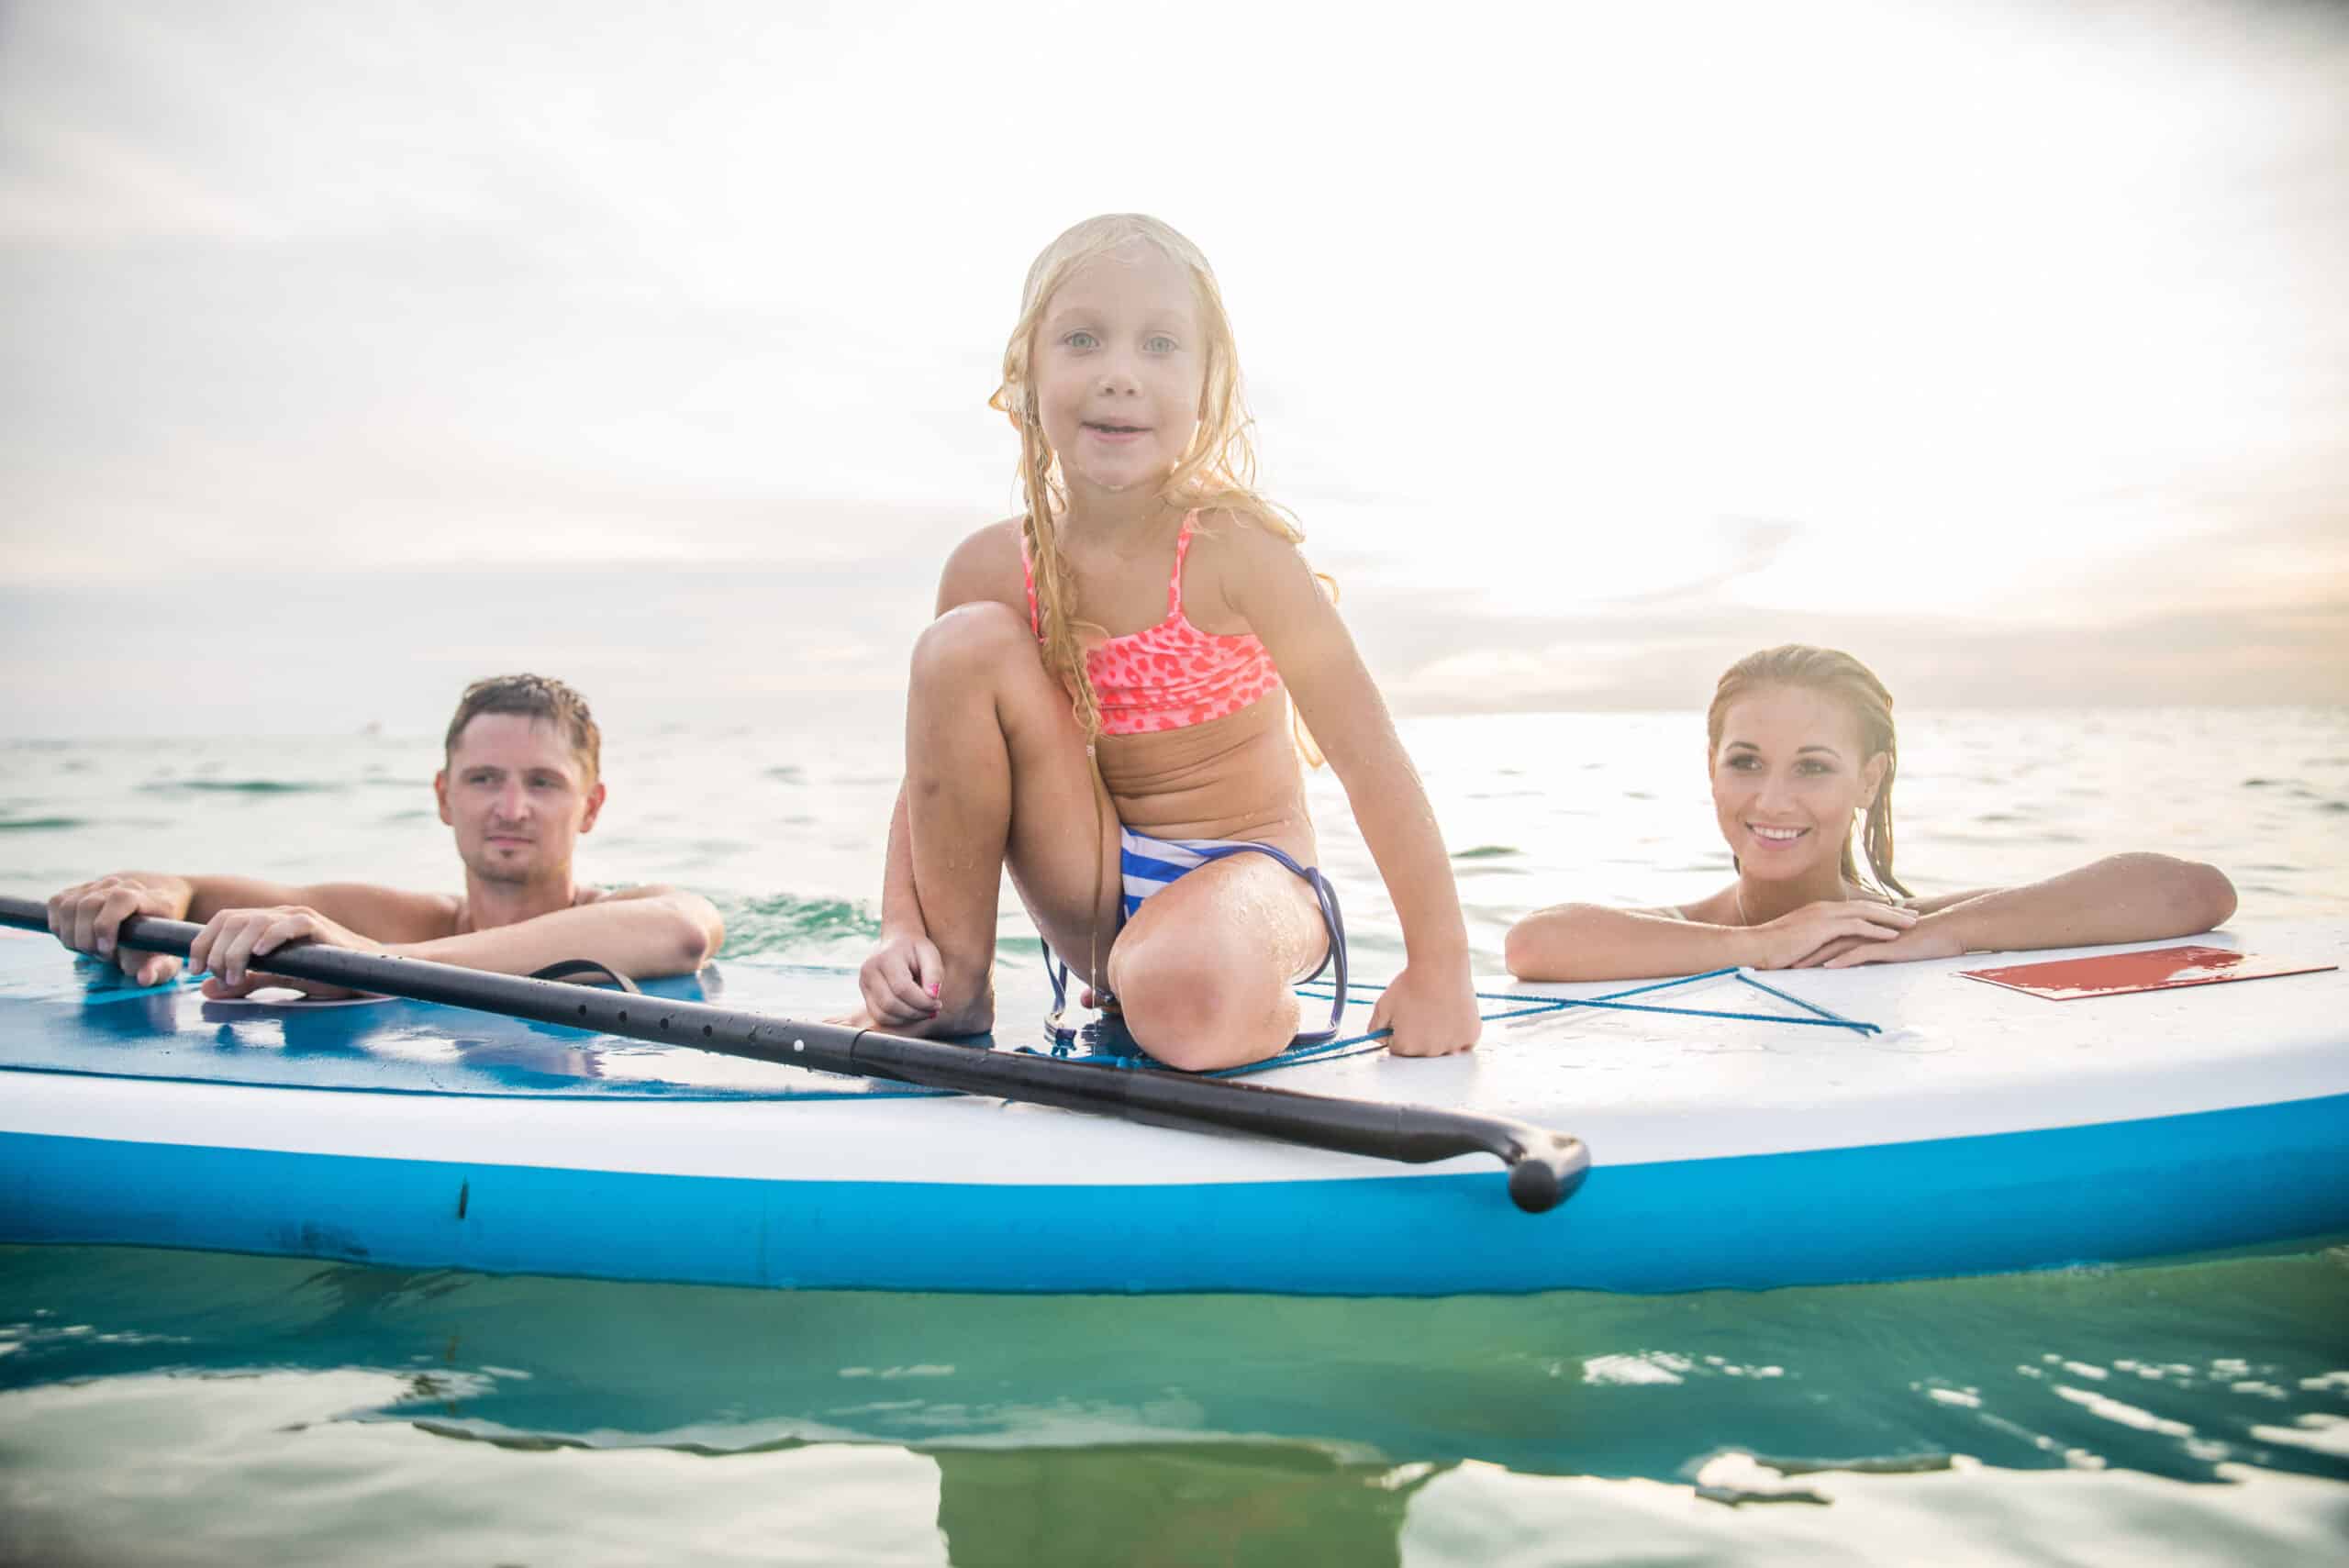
(1158,343)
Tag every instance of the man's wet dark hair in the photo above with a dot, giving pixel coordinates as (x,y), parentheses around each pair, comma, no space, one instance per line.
(540,696)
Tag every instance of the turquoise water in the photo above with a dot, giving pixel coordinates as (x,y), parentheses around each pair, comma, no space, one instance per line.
(184,1407)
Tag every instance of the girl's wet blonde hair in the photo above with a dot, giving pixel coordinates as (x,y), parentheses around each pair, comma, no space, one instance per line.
(1844,678)
(1218,471)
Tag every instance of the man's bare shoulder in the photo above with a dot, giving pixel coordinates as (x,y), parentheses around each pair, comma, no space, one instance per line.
(388,914)
(583,897)
(580,897)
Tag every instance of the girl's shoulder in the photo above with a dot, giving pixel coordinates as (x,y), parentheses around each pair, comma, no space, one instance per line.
(995,540)
(986,565)
(1234,556)
(1245,529)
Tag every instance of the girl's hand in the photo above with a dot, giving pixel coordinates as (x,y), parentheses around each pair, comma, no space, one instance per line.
(1797,940)
(233,938)
(1929,938)
(1431,1008)
(900,981)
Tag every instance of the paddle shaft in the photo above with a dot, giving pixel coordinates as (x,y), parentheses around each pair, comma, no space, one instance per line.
(1545,1166)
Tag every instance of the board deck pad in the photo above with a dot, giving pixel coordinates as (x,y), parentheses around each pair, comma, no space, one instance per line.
(2124,974)
(73,1014)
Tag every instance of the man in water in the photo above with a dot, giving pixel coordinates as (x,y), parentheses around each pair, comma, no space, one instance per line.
(518,786)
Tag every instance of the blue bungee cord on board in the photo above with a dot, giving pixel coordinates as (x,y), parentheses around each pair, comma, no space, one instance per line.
(1112,1046)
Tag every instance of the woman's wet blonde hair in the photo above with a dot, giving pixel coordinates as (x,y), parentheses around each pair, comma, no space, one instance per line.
(1844,678)
(1216,471)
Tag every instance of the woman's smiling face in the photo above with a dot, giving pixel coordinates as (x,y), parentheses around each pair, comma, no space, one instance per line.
(1787,779)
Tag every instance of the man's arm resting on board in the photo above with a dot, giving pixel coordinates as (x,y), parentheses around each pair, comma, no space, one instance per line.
(641,932)
(88,916)
(644,933)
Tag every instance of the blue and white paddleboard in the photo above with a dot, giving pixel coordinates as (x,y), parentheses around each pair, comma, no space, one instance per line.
(1817,1127)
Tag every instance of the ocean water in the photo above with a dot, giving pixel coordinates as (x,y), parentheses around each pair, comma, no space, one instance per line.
(176,1407)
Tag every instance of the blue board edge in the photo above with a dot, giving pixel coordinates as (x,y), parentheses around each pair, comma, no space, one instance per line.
(2104,1193)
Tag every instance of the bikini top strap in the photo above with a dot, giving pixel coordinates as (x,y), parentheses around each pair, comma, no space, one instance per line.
(1182,548)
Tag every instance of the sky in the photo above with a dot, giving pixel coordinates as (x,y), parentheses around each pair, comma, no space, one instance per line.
(353,352)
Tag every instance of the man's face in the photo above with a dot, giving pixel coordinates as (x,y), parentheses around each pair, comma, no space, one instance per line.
(517,796)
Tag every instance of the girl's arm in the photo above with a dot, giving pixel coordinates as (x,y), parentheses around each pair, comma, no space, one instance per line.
(2137,897)
(1591,941)
(900,980)
(1432,1004)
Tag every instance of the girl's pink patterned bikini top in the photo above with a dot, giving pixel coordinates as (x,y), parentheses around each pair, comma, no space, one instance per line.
(1172,676)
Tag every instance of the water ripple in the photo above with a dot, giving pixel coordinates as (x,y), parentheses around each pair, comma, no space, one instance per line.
(242,786)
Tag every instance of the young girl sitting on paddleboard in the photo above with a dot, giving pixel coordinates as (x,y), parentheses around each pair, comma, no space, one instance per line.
(1102,705)
(1801,750)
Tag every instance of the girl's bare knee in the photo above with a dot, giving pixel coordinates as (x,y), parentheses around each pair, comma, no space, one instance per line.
(969,639)
(1196,1010)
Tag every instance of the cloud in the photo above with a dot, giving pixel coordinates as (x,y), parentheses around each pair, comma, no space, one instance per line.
(324,651)
(1440,654)
(1610,359)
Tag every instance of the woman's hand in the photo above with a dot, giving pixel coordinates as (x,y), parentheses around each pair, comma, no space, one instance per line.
(232,940)
(1431,1008)
(1799,940)
(1931,937)
(900,981)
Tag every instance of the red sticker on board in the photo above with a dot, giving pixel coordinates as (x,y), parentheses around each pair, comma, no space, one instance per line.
(2120,973)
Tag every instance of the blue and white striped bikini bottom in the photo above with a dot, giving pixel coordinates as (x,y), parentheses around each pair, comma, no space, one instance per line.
(1148,866)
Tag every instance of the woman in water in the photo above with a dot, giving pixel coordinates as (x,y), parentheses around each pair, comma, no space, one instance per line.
(1800,744)
(1102,705)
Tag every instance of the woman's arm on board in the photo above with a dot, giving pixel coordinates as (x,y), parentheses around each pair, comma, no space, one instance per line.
(2135,898)
(1431,1004)
(1594,942)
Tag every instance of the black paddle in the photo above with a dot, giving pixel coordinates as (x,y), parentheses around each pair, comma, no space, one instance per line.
(1543,1167)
